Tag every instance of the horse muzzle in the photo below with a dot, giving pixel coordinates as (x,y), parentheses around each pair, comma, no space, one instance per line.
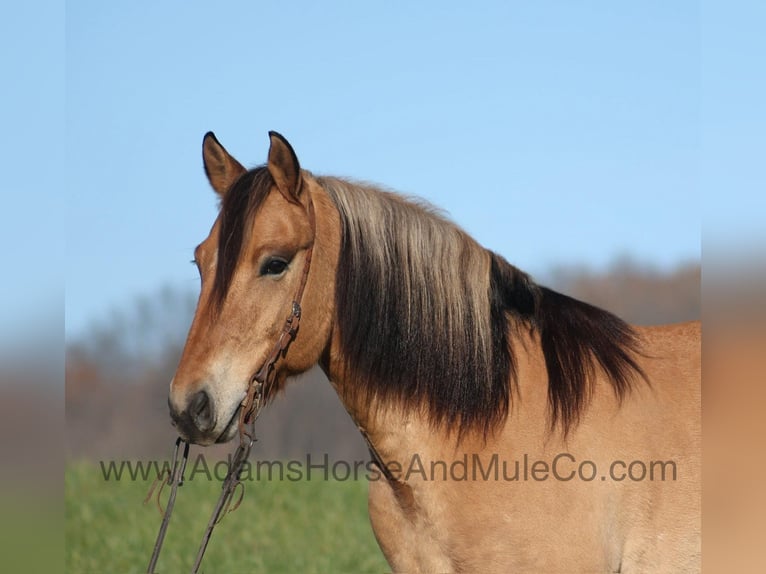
(196,419)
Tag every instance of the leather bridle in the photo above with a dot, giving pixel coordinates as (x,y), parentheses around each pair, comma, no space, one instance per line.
(258,388)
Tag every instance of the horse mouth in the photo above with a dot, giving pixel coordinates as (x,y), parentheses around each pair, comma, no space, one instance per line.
(231,427)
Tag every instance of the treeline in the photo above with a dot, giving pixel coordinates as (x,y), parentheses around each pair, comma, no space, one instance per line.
(118,372)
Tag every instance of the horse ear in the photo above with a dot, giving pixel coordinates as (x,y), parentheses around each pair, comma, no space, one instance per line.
(222,169)
(284,168)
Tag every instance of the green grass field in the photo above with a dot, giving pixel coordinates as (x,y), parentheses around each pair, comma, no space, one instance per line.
(307,526)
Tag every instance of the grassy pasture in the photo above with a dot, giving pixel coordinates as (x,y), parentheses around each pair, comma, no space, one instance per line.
(304,526)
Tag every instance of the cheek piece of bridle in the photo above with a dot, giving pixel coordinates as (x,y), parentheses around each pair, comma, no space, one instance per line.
(262,381)
(259,388)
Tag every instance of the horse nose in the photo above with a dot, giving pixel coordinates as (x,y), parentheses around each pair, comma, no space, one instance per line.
(201,411)
(193,414)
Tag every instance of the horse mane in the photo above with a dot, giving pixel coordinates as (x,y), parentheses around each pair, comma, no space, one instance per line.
(427,317)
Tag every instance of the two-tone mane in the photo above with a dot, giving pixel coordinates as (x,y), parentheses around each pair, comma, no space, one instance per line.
(427,316)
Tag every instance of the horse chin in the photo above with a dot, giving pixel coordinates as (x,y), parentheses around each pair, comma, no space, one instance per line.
(231,428)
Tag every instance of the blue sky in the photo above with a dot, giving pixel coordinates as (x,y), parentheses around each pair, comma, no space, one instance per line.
(556,133)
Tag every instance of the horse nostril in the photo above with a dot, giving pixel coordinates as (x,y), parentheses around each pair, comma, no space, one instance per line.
(201,411)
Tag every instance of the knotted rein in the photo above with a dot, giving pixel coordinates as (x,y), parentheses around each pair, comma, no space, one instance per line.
(259,387)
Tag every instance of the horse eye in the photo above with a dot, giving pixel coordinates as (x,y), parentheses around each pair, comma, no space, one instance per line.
(274,267)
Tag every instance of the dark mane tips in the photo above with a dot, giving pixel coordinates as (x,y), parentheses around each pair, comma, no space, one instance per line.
(576,339)
(239,205)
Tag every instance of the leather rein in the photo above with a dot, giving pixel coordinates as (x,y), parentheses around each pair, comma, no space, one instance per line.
(251,406)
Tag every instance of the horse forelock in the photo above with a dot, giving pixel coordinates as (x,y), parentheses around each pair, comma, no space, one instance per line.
(239,205)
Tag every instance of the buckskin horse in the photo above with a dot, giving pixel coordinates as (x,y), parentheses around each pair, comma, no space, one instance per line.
(444,353)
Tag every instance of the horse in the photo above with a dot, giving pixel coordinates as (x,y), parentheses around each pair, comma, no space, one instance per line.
(512,428)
